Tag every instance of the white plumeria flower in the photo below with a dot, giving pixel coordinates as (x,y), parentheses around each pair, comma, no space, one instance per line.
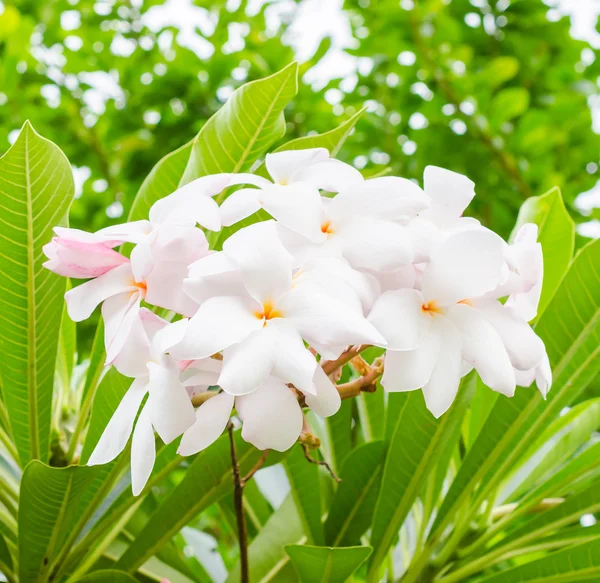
(293,196)
(168,409)
(365,224)
(261,328)
(449,194)
(271,415)
(431,331)
(526,263)
(171,233)
(121,295)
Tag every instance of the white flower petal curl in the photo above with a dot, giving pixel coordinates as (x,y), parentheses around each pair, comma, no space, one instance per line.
(271,416)
(211,420)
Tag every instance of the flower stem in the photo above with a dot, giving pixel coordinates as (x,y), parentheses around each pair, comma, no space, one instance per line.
(238,498)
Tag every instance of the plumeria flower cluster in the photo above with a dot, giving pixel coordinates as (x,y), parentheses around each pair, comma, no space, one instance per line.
(343,262)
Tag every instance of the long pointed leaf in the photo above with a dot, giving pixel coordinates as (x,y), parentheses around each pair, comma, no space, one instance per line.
(306,489)
(351,509)
(579,563)
(416,446)
(242,130)
(326,564)
(36,189)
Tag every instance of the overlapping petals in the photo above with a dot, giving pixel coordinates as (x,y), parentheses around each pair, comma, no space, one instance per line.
(342,262)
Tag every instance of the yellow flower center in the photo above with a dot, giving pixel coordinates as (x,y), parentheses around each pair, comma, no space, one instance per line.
(431,308)
(268,312)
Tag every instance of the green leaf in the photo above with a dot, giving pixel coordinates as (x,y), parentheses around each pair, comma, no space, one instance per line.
(558,443)
(371,410)
(6,560)
(556,234)
(108,576)
(578,563)
(545,523)
(326,564)
(111,390)
(339,430)
(206,481)
(483,402)
(36,189)
(332,140)
(306,489)
(417,445)
(162,180)
(266,553)
(570,327)
(52,504)
(67,348)
(351,509)
(96,368)
(244,128)
(498,71)
(561,481)
(508,103)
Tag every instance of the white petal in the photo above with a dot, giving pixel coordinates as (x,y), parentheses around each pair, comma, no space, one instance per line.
(398,315)
(271,416)
(143,452)
(193,203)
(141,259)
(248,363)
(211,419)
(297,206)
(168,405)
(412,369)
(218,323)
(402,278)
(440,390)
(134,353)
(164,338)
(266,265)
(119,313)
(389,198)
(327,400)
(216,274)
(293,361)
(239,205)
(117,432)
(376,244)
(133,232)
(83,299)
(525,348)
(180,243)
(483,348)
(154,324)
(467,265)
(450,194)
(325,320)
(336,277)
(543,376)
(164,288)
(330,175)
(203,373)
(282,165)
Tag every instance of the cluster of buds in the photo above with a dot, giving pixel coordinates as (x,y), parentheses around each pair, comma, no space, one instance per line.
(254,327)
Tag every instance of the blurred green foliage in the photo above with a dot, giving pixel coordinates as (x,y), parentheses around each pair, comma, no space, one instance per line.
(490,88)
